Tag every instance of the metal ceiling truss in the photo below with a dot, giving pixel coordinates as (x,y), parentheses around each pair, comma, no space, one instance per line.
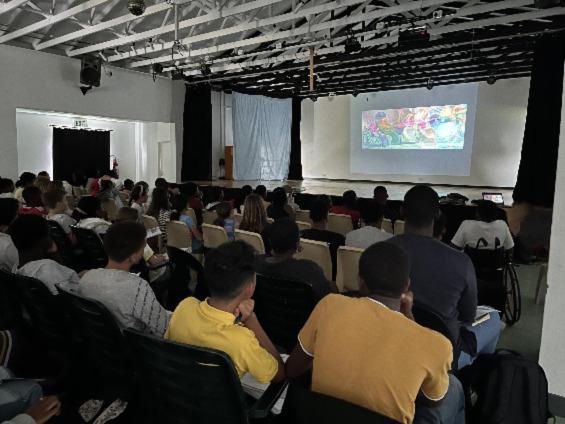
(264,46)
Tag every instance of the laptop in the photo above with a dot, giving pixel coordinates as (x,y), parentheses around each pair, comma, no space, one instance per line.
(494,197)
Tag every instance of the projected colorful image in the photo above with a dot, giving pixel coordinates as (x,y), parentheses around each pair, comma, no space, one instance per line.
(431,127)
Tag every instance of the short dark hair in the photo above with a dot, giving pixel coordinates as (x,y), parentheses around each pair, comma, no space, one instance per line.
(52,197)
(43,174)
(319,210)
(350,199)
(421,205)
(229,268)
(161,183)
(261,190)
(27,178)
(223,209)
(190,189)
(127,214)
(6,185)
(90,205)
(179,202)
(123,239)
(487,210)
(32,196)
(128,184)
(8,211)
(371,212)
(30,231)
(385,269)
(106,184)
(380,189)
(246,190)
(279,197)
(439,224)
(285,235)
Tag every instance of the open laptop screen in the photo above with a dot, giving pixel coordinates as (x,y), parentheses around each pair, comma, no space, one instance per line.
(494,197)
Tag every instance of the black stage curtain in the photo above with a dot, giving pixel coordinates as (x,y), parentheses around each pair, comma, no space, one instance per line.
(79,151)
(197,138)
(538,165)
(295,164)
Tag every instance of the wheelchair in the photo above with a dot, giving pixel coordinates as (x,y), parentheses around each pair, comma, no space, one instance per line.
(495,266)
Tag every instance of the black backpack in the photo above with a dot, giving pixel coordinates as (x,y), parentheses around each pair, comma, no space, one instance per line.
(509,389)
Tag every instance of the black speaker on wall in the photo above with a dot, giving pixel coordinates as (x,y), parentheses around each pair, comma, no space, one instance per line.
(90,70)
(546,4)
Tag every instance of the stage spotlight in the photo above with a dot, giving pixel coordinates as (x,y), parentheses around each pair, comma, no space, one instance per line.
(352,44)
(355,93)
(205,69)
(157,68)
(491,80)
(430,84)
(136,7)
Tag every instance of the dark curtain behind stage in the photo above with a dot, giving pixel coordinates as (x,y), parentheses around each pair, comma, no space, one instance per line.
(197,138)
(295,163)
(538,165)
(79,151)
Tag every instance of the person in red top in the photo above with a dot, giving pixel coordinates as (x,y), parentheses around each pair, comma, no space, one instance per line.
(349,207)
(194,200)
(33,202)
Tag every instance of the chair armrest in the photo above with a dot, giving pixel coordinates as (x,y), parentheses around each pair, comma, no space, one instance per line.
(262,407)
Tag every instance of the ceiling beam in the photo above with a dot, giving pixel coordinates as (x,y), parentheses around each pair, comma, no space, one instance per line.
(50,20)
(212,16)
(101,26)
(11,5)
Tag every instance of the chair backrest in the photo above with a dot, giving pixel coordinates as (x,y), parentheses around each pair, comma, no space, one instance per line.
(488,263)
(94,253)
(253,239)
(282,308)
(10,303)
(319,252)
(303,225)
(71,201)
(303,406)
(347,277)
(185,384)
(64,246)
(303,215)
(149,222)
(178,235)
(109,206)
(214,235)
(398,227)
(182,263)
(341,224)
(428,318)
(105,345)
(208,217)
(386,225)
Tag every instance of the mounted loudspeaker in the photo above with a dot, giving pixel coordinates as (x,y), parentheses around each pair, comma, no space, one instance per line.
(90,70)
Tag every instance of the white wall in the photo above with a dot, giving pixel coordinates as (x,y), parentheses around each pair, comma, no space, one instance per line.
(499,130)
(552,353)
(41,81)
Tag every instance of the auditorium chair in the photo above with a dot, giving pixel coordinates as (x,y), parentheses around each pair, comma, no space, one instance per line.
(208,217)
(348,268)
(303,225)
(341,224)
(109,206)
(10,303)
(398,227)
(179,235)
(319,252)
(65,249)
(151,224)
(71,201)
(303,406)
(188,384)
(386,225)
(283,307)
(253,239)
(214,235)
(187,278)
(303,216)
(94,254)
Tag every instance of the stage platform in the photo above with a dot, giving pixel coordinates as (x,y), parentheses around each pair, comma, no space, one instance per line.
(396,191)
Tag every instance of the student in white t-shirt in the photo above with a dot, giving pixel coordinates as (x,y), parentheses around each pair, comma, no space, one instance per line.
(138,199)
(36,251)
(370,233)
(56,204)
(8,252)
(6,188)
(89,215)
(494,231)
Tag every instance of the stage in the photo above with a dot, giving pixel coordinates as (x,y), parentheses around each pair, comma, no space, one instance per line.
(396,191)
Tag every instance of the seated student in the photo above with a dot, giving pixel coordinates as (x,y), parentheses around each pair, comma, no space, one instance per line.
(56,205)
(108,192)
(8,252)
(280,208)
(27,179)
(194,200)
(369,351)
(33,202)
(128,297)
(255,219)
(443,278)
(226,321)
(160,209)
(6,188)
(349,207)
(36,252)
(225,219)
(180,205)
(487,227)
(138,199)
(370,233)
(261,191)
(319,216)
(380,195)
(215,196)
(285,242)
(89,215)
(127,186)
(290,196)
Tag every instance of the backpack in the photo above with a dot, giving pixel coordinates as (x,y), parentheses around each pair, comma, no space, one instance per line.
(510,389)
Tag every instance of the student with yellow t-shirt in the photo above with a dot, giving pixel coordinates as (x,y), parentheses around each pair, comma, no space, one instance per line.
(370,352)
(226,321)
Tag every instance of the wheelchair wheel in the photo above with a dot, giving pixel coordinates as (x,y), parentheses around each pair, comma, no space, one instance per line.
(513,308)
